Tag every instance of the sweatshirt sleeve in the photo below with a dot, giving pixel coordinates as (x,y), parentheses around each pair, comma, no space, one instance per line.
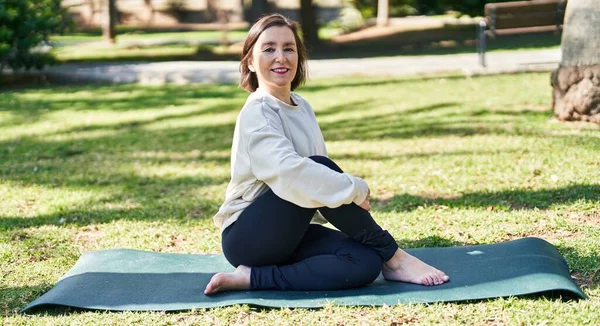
(297,179)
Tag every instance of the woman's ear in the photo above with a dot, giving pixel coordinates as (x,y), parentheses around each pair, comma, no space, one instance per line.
(250,65)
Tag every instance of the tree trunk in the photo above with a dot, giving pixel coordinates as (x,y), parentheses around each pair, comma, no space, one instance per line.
(259,8)
(150,17)
(576,83)
(383,12)
(110,20)
(310,30)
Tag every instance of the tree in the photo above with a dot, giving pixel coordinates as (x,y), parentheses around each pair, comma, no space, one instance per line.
(110,21)
(576,82)
(25,25)
(310,28)
(259,8)
(383,12)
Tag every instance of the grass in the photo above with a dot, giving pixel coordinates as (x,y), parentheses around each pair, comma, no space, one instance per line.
(203,45)
(95,167)
(140,35)
(153,46)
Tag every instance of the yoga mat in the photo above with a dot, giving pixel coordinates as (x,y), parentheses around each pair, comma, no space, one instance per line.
(125,279)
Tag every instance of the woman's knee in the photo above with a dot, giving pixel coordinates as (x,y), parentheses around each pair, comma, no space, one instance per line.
(327,162)
(366,262)
(371,266)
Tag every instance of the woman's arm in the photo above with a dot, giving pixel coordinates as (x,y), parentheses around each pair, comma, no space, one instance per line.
(298,179)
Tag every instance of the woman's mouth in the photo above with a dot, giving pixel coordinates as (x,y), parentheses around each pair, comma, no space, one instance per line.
(280,71)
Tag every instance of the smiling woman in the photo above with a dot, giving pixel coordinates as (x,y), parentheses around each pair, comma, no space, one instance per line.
(283,186)
(274,54)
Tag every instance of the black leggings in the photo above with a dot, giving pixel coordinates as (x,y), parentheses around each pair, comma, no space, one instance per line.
(285,252)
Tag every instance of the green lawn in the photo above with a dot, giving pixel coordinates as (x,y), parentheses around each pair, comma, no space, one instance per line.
(175,46)
(153,46)
(450,161)
(133,35)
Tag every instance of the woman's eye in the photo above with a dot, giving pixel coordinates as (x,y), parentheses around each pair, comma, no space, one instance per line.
(289,50)
(269,50)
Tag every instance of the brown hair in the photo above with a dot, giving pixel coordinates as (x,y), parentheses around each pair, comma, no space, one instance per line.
(248,80)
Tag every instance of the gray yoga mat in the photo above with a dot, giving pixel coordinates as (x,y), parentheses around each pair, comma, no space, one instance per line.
(139,280)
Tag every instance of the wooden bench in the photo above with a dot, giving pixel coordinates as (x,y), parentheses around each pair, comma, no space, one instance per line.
(503,18)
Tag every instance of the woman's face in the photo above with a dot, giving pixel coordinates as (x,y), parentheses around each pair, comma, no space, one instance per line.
(275,58)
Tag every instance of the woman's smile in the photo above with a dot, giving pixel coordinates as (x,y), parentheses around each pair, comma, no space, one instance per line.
(280,70)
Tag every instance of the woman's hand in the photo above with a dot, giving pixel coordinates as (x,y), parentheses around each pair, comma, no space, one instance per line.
(366,204)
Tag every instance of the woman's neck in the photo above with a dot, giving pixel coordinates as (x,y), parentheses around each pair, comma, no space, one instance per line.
(282,94)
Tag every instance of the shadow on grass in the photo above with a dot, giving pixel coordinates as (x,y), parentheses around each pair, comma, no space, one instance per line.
(455,40)
(502,200)
(369,156)
(31,105)
(167,209)
(15,298)
(403,125)
(371,82)
(437,41)
(585,267)
(431,242)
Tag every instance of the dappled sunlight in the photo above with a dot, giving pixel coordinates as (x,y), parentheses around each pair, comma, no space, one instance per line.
(212,120)
(28,201)
(80,122)
(5,117)
(403,149)
(83,95)
(159,236)
(79,135)
(580,196)
(168,171)
(194,155)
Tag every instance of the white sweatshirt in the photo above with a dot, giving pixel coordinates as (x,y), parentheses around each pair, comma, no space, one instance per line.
(271,145)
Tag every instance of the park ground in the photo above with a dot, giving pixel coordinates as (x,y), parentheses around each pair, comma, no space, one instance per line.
(451,161)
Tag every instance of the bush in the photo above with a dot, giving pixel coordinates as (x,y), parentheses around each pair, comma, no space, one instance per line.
(24,27)
(349,19)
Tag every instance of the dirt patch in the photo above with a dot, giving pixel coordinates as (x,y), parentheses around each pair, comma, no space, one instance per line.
(404,320)
(590,218)
(544,231)
(382,198)
(493,321)
(88,237)
(524,108)
(176,240)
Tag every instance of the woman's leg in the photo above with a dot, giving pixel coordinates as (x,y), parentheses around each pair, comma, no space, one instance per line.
(270,230)
(266,233)
(326,259)
(359,225)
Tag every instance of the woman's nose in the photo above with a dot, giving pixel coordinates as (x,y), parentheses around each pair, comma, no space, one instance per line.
(280,56)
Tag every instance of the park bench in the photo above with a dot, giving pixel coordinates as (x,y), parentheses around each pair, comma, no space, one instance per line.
(504,18)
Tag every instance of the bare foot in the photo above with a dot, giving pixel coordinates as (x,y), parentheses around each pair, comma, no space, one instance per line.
(237,280)
(404,267)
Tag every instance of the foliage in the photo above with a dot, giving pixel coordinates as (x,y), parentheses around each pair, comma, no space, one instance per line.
(178,9)
(348,19)
(398,8)
(24,26)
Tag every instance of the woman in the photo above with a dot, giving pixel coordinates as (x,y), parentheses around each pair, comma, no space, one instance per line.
(283,185)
